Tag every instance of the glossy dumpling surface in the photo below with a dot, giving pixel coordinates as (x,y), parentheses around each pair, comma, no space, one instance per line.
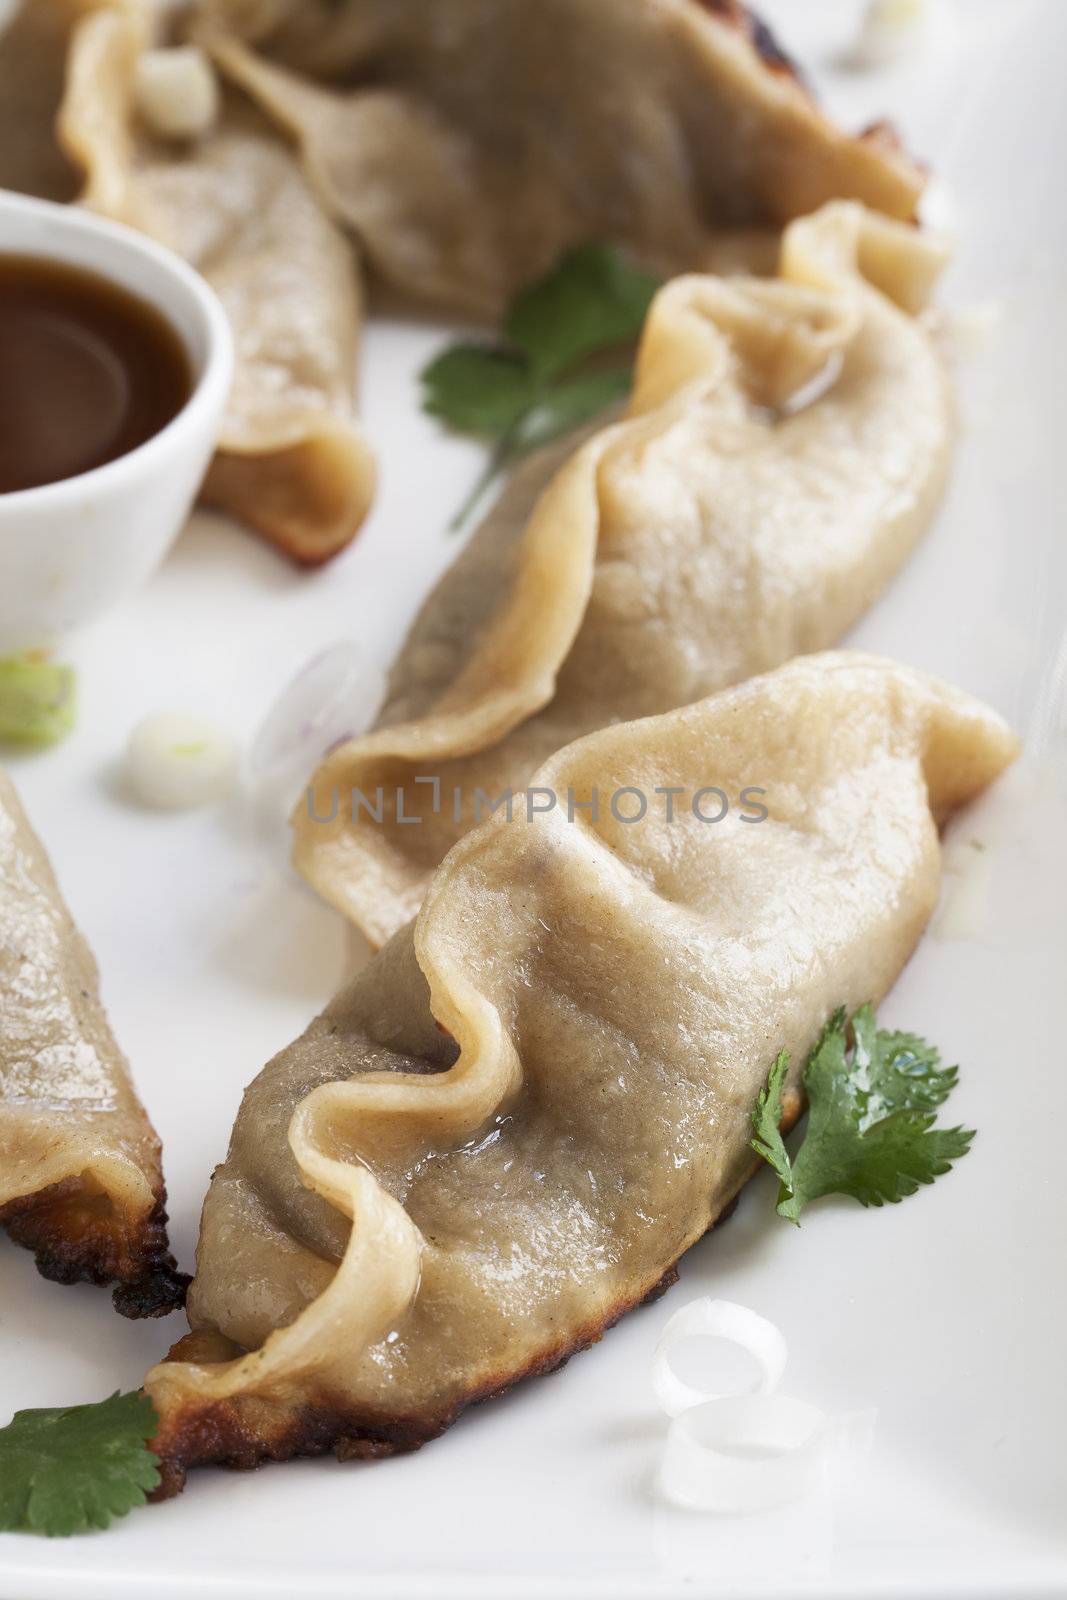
(80,1179)
(506,1131)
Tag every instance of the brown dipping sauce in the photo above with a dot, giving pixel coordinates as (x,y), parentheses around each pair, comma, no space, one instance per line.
(88,371)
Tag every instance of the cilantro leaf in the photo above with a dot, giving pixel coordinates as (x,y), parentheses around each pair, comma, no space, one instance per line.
(68,1469)
(477,389)
(767,1117)
(896,1071)
(566,406)
(527,392)
(872,1101)
(883,1165)
(37,700)
(593,300)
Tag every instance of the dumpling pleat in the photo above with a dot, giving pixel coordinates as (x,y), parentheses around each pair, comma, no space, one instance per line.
(510,1126)
(785,446)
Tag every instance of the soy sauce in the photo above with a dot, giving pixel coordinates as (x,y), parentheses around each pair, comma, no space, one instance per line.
(88,371)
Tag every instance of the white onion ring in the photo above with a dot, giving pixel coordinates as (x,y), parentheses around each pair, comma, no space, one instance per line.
(750,1449)
(334,697)
(717,1319)
(744,1452)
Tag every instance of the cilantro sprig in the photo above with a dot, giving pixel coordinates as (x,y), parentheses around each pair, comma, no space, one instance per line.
(872,1105)
(531,389)
(69,1469)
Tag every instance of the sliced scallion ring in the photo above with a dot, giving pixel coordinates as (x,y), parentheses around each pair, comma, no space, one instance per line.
(716,1319)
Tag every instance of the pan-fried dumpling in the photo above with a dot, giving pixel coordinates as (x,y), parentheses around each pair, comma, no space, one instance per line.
(724,527)
(508,1128)
(470,144)
(80,1180)
(292,460)
(662,123)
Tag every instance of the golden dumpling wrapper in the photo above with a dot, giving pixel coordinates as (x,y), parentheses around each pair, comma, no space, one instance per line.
(469,145)
(506,1131)
(292,459)
(786,444)
(80,1178)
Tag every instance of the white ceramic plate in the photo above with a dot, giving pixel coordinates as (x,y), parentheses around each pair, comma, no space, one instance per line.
(946,1313)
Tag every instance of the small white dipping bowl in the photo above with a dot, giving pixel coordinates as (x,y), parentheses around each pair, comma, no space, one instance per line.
(68,550)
